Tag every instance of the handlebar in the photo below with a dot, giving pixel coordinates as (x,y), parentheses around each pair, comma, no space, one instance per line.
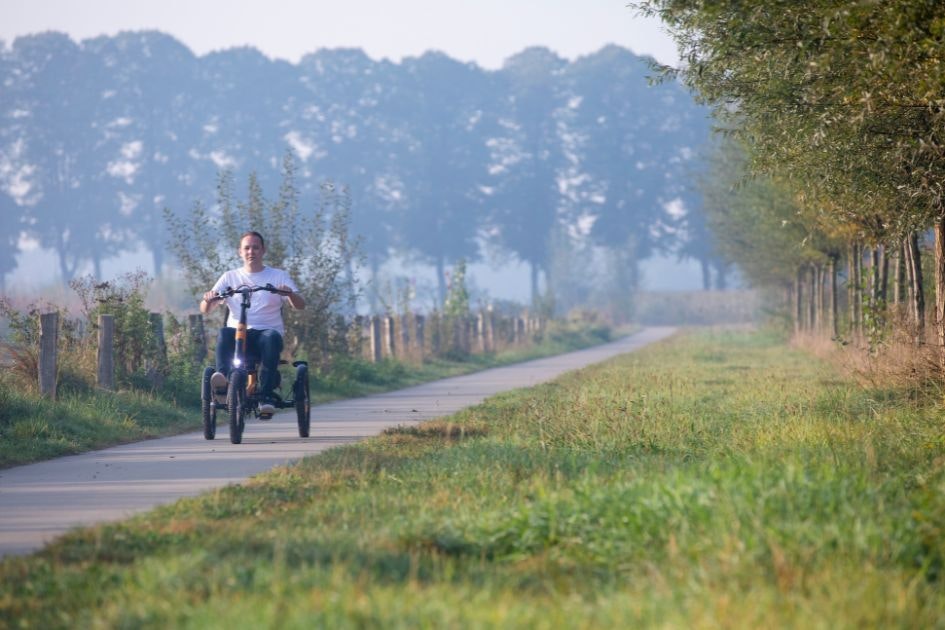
(246,290)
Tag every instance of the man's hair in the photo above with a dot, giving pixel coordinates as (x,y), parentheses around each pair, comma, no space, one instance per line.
(262,241)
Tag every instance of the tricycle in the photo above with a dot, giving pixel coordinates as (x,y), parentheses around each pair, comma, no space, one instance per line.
(240,397)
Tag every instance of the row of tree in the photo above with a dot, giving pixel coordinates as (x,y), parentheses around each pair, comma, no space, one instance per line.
(834,114)
(439,157)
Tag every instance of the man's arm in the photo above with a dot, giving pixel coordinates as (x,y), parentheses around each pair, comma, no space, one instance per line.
(296,300)
(209,302)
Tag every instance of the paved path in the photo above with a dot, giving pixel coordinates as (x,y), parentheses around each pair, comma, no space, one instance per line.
(41,501)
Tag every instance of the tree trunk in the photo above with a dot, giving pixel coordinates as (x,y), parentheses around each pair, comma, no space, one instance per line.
(858,286)
(157,259)
(899,275)
(817,275)
(706,274)
(798,300)
(851,283)
(534,281)
(883,277)
(873,296)
(940,288)
(441,279)
(721,276)
(372,294)
(812,298)
(917,294)
(834,319)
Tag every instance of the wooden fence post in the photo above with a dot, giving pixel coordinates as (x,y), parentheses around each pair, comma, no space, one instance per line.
(481,332)
(158,365)
(376,339)
(490,331)
(419,322)
(435,334)
(48,353)
(387,325)
(106,350)
(456,342)
(405,336)
(469,329)
(198,337)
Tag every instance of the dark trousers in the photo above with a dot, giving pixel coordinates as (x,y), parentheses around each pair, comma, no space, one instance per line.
(263,345)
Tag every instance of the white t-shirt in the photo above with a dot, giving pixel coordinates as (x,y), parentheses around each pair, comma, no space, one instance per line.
(265,310)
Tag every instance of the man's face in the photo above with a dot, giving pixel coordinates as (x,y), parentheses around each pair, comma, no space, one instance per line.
(251,250)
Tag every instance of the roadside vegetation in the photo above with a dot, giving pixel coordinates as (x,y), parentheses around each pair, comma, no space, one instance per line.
(717,479)
(826,185)
(84,417)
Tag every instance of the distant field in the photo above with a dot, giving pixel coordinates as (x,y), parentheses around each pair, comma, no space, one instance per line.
(698,308)
(715,480)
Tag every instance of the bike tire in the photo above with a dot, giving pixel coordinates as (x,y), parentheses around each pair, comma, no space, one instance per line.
(303,405)
(236,403)
(208,406)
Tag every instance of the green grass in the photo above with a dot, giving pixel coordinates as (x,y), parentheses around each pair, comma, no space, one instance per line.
(83,419)
(32,428)
(715,480)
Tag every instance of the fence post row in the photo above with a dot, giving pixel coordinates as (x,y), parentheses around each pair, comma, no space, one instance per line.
(48,353)
(106,358)
(381,333)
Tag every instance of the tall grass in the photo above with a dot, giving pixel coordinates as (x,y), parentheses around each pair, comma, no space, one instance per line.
(715,480)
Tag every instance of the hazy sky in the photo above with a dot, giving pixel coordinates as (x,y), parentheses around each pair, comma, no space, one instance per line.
(483,31)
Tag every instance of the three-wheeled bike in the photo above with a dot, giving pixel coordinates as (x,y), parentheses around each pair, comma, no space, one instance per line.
(242,396)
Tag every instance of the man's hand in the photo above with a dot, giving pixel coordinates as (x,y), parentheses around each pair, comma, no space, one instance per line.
(209,301)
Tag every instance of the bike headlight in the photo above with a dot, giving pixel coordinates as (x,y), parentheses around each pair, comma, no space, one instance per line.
(237,362)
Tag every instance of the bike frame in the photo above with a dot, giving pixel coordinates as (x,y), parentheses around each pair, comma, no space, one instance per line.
(240,356)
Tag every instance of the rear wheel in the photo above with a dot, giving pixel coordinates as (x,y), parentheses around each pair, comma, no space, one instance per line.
(236,403)
(303,407)
(208,406)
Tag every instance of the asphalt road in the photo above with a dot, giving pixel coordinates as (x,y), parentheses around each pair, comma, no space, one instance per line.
(41,501)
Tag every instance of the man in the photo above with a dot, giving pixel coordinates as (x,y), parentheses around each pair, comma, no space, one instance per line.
(263,319)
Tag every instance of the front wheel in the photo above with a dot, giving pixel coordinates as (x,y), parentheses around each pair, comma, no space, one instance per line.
(208,406)
(303,407)
(236,403)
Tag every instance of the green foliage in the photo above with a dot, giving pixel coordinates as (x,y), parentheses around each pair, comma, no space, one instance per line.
(838,108)
(457,297)
(123,299)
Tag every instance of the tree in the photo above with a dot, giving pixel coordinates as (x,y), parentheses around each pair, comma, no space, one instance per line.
(527,160)
(442,214)
(65,200)
(842,99)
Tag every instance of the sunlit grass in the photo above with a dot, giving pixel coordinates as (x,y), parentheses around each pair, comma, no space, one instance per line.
(714,480)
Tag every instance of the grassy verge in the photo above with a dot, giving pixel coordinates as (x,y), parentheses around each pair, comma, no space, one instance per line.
(82,419)
(713,480)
